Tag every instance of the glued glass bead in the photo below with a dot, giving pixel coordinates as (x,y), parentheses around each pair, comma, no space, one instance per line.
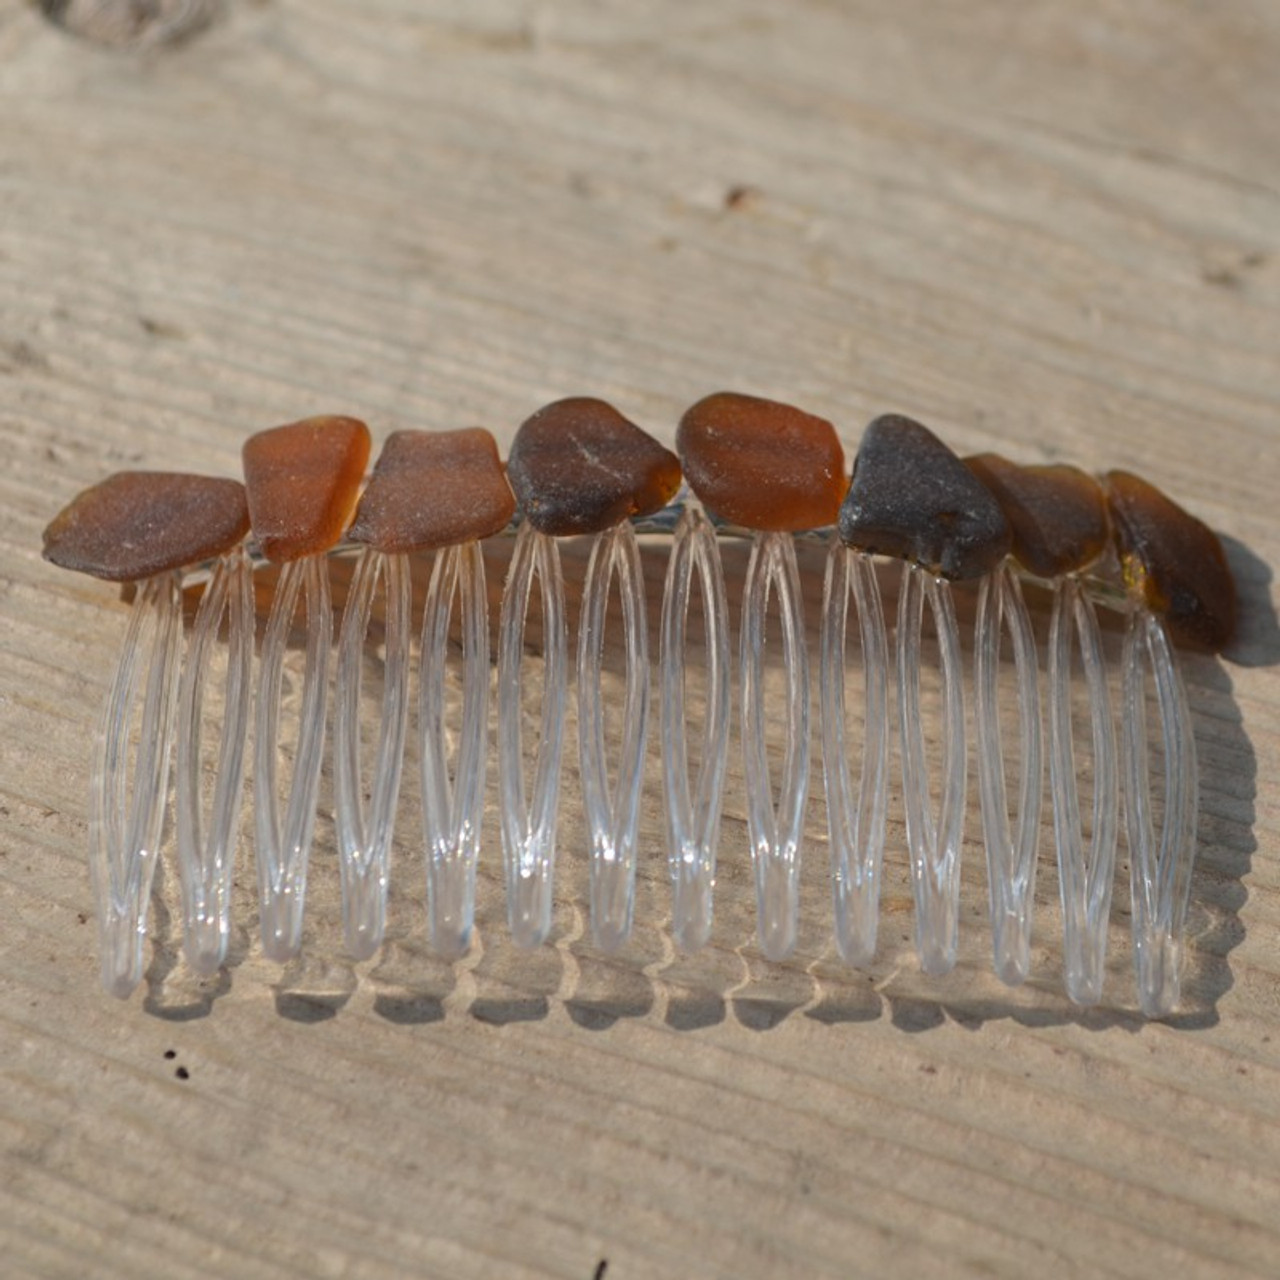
(434,489)
(1174,562)
(138,523)
(578,466)
(303,480)
(912,497)
(762,464)
(1057,514)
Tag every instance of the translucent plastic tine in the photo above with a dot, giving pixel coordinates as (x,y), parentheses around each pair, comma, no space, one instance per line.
(206,856)
(529,827)
(1011,858)
(857,826)
(1084,875)
(693,815)
(934,847)
(775,834)
(364,839)
(1161,869)
(126,822)
(612,818)
(283,851)
(452,811)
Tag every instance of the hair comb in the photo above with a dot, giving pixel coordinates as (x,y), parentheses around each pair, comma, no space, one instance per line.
(750,468)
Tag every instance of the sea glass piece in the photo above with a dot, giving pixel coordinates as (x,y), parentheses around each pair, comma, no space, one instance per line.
(434,489)
(136,524)
(1057,514)
(911,497)
(762,464)
(303,480)
(1173,562)
(578,466)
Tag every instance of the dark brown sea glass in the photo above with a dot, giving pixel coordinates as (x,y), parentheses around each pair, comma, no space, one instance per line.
(912,497)
(579,466)
(303,480)
(434,489)
(762,464)
(139,523)
(1058,513)
(1174,562)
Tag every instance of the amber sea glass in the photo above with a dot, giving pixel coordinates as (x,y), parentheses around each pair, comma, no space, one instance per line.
(1057,514)
(136,524)
(762,464)
(434,489)
(1174,562)
(303,480)
(578,466)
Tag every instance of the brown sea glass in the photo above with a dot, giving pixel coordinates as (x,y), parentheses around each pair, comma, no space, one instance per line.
(1174,562)
(579,466)
(1057,513)
(139,523)
(303,480)
(912,497)
(762,464)
(434,489)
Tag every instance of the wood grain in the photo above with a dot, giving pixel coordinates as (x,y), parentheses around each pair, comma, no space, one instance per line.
(1051,230)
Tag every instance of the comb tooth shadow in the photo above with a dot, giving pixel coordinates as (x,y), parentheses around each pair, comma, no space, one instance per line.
(314,990)
(609,988)
(844,995)
(410,1008)
(908,1013)
(513,985)
(771,994)
(183,996)
(697,987)
(412,983)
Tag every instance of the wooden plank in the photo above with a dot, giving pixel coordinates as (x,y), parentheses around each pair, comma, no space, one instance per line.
(1048,230)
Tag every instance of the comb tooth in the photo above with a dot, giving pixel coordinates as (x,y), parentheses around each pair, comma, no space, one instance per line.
(364,840)
(452,813)
(857,828)
(1084,877)
(934,846)
(529,825)
(284,848)
(1011,857)
(693,815)
(613,819)
(775,833)
(1160,875)
(206,857)
(125,822)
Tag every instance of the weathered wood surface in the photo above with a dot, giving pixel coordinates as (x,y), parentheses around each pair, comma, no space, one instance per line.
(1048,229)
